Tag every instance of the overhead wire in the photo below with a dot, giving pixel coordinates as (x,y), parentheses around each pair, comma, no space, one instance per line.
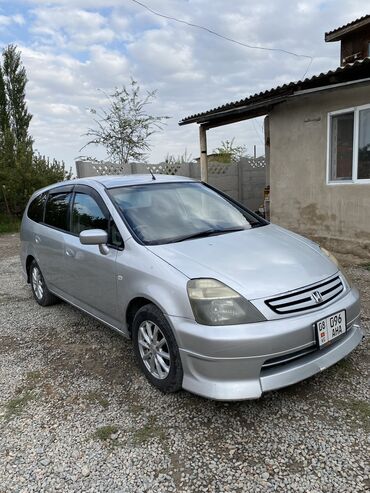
(226,38)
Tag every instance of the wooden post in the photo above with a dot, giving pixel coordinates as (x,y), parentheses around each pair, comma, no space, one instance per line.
(203,154)
(240,165)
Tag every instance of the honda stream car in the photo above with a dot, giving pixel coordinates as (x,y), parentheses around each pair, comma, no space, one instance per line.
(216,300)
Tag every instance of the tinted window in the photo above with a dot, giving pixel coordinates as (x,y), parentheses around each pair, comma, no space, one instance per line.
(56,213)
(114,236)
(36,208)
(87,214)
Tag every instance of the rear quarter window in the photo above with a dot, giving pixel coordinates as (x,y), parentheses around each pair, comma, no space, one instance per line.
(57,210)
(36,208)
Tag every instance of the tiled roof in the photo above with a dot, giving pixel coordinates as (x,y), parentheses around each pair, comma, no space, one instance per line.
(263,100)
(352,24)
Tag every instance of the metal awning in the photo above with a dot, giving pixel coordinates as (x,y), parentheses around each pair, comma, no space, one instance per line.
(260,104)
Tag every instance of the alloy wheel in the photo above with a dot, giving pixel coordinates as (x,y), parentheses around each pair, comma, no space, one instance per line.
(37,283)
(154,349)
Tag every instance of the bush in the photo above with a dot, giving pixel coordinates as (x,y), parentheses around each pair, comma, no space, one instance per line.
(9,224)
(28,173)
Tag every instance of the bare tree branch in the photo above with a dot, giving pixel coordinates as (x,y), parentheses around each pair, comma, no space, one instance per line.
(124,127)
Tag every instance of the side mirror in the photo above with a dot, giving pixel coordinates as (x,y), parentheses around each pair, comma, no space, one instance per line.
(95,237)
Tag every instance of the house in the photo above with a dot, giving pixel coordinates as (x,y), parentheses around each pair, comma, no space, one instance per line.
(317,140)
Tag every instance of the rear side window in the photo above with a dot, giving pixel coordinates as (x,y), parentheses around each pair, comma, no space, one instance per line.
(36,208)
(56,213)
(87,214)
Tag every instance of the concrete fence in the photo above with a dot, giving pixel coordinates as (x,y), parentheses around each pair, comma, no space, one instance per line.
(244,181)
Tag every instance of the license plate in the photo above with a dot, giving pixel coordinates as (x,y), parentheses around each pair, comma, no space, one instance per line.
(330,328)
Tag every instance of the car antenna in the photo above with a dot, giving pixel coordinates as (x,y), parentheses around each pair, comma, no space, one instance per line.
(151,172)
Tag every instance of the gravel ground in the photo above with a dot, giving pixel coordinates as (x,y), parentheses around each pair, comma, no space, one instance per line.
(76,415)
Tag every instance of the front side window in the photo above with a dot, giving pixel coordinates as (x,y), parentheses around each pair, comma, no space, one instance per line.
(171,212)
(349,145)
(87,214)
(56,211)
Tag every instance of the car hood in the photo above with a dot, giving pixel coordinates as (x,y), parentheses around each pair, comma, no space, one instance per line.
(258,262)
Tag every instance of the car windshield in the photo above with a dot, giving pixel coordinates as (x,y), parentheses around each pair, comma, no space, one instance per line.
(161,213)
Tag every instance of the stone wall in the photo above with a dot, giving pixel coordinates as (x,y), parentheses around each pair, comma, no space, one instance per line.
(244,181)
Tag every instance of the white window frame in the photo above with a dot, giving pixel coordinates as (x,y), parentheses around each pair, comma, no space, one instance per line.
(356,181)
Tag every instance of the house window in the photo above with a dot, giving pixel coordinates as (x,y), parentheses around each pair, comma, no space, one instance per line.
(349,145)
(363,171)
(341,152)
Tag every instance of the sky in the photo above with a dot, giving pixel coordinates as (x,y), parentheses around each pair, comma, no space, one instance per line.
(75,50)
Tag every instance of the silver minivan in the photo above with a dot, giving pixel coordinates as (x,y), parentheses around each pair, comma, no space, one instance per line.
(215,299)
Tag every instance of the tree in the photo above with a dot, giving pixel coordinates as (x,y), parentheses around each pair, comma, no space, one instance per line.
(14,81)
(22,171)
(228,152)
(124,127)
(179,159)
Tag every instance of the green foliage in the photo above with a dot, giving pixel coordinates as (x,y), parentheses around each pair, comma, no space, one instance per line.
(105,432)
(9,224)
(15,80)
(29,172)
(180,159)
(17,405)
(228,152)
(124,127)
(22,171)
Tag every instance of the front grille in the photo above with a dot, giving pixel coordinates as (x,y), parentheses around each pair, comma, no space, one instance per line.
(307,298)
(287,358)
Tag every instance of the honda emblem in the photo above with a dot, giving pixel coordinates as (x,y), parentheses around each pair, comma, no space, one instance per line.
(316,296)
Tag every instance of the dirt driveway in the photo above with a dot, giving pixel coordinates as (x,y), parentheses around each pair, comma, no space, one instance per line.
(77,415)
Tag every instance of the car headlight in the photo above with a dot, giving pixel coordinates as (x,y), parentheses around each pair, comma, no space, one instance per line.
(340,268)
(213,303)
(330,255)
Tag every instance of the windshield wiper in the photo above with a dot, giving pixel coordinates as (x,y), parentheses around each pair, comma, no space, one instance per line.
(204,234)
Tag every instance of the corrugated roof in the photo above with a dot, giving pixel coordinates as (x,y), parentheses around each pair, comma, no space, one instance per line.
(259,103)
(329,36)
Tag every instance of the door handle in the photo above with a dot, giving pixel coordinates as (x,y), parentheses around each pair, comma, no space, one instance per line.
(37,239)
(70,252)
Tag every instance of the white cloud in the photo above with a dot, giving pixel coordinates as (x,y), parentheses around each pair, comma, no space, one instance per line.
(73,47)
(7,20)
(72,28)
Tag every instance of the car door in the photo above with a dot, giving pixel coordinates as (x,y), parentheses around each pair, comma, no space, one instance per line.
(91,276)
(49,236)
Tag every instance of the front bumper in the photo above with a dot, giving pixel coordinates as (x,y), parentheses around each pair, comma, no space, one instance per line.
(227,363)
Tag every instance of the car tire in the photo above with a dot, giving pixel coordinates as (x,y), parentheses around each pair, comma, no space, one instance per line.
(38,285)
(159,359)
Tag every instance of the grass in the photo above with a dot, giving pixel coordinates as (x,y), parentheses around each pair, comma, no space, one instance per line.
(150,430)
(105,432)
(34,376)
(16,406)
(9,224)
(96,398)
(366,266)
